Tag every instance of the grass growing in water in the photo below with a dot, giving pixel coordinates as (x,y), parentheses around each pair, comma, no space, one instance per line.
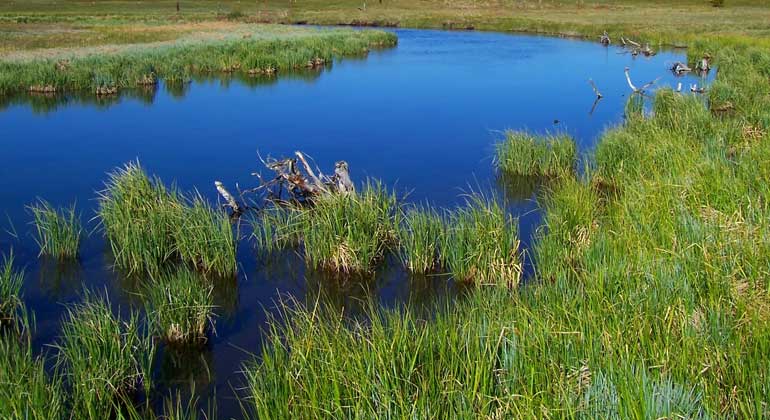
(522,153)
(481,244)
(349,232)
(58,231)
(419,235)
(181,306)
(26,392)
(10,288)
(106,359)
(139,216)
(204,238)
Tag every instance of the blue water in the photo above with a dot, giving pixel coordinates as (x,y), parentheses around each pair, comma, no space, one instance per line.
(422,117)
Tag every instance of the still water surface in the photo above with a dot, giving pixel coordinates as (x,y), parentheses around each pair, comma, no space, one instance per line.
(422,117)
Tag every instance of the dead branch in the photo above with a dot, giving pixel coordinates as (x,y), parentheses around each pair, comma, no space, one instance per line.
(596,90)
(680,68)
(229,199)
(642,89)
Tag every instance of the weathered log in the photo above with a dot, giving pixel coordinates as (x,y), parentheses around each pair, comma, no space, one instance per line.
(342,179)
(605,39)
(639,90)
(229,199)
(680,68)
(596,90)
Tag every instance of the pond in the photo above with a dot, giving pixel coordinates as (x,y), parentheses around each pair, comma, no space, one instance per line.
(422,117)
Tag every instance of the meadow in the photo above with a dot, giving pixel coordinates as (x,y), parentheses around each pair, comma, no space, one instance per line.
(651,292)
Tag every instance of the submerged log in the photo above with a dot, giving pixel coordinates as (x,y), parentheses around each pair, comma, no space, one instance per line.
(680,68)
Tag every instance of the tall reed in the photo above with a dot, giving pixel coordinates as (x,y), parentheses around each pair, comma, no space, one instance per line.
(58,231)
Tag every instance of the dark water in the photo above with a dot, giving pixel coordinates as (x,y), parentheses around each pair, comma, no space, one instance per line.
(423,117)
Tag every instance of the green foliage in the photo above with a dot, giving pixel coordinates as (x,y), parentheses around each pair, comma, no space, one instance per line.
(181,306)
(58,231)
(522,153)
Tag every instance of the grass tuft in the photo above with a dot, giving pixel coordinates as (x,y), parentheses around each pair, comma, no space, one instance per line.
(181,306)
(204,238)
(481,245)
(522,153)
(420,234)
(58,231)
(349,233)
(106,359)
(139,216)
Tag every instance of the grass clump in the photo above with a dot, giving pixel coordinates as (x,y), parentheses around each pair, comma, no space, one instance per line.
(348,232)
(10,289)
(419,235)
(107,360)
(522,153)
(204,238)
(139,216)
(181,306)
(26,392)
(481,244)
(58,231)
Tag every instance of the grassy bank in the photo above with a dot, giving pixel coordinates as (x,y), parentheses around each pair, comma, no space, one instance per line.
(105,72)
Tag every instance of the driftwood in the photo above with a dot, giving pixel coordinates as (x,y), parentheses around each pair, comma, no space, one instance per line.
(636,48)
(680,68)
(596,90)
(293,180)
(605,39)
(639,90)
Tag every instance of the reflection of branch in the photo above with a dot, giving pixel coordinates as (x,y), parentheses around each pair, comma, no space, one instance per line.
(593,107)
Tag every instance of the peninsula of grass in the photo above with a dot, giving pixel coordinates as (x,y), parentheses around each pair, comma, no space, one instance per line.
(106,360)
(106,73)
(181,307)
(58,230)
(524,154)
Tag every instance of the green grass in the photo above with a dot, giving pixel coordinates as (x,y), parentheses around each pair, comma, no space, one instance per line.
(151,227)
(106,360)
(181,307)
(176,64)
(10,290)
(26,391)
(349,233)
(420,234)
(139,217)
(204,238)
(58,231)
(481,245)
(525,154)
